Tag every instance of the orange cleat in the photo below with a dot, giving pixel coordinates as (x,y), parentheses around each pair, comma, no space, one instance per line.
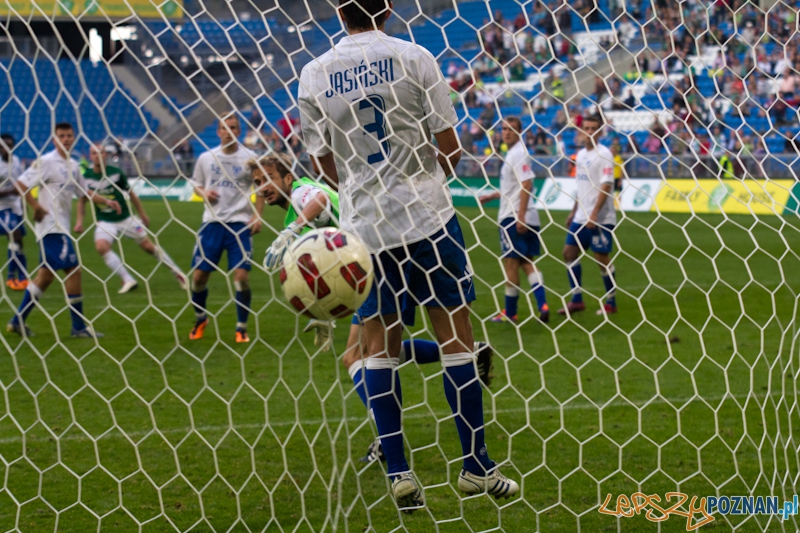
(198,330)
(22,284)
(241,335)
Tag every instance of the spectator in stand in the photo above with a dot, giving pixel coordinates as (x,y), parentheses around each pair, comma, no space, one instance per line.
(517,70)
(559,121)
(467,138)
(288,125)
(486,118)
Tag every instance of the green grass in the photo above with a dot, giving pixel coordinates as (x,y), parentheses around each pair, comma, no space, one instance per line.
(690,387)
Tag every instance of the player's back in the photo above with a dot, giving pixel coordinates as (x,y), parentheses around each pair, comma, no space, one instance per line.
(60,180)
(375,101)
(10,171)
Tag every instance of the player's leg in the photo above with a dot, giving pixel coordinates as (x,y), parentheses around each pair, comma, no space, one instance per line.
(602,244)
(104,236)
(532,248)
(241,282)
(578,238)
(34,291)
(135,230)
(511,266)
(206,256)
(421,351)
(73,286)
(442,279)
(17,258)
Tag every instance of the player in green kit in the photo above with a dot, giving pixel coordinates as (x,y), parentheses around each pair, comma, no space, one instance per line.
(310,204)
(110,182)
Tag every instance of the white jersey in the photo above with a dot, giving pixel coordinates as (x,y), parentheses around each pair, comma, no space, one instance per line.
(10,171)
(515,171)
(59,180)
(302,195)
(374,101)
(593,169)
(228,175)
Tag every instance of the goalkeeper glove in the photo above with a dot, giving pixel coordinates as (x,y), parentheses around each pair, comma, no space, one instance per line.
(323,333)
(284,239)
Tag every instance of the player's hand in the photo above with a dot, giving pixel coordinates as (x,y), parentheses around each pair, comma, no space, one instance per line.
(113,204)
(591,223)
(145,220)
(39,213)
(485,198)
(78,227)
(569,220)
(323,333)
(212,196)
(284,239)
(255,225)
(522,228)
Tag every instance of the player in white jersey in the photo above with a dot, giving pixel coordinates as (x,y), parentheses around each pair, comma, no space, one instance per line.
(12,224)
(519,223)
(59,178)
(368,109)
(593,217)
(222,180)
(111,182)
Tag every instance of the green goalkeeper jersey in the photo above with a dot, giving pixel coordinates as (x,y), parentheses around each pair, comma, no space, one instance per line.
(112,186)
(303,191)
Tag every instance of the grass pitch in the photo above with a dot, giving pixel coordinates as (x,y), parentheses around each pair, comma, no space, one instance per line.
(690,387)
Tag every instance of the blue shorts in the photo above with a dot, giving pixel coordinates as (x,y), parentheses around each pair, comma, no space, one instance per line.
(11,222)
(600,239)
(409,315)
(516,246)
(56,252)
(433,272)
(215,238)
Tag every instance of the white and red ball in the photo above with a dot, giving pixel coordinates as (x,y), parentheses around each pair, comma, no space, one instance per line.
(327,274)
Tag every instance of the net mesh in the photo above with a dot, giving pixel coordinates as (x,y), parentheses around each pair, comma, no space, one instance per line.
(690,387)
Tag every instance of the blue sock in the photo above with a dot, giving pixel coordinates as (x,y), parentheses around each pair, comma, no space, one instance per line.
(22,265)
(386,400)
(464,394)
(512,298)
(32,293)
(242,308)
(423,352)
(610,281)
(574,273)
(199,303)
(356,372)
(12,265)
(536,279)
(75,302)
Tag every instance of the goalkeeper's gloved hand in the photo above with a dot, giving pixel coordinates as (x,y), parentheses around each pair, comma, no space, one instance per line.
(278,247)
(323,333)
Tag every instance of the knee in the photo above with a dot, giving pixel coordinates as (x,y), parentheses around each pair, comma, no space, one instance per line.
(102,247)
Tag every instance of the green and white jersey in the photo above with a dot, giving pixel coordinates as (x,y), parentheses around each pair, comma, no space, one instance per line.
(303,191)
(113,185)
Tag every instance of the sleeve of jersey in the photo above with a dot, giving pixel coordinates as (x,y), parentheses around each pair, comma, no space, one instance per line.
(436,96)
(198,174)
(30,178)
(313,123)
(523,168)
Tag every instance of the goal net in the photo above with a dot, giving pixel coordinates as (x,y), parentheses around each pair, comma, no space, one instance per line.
(678,379)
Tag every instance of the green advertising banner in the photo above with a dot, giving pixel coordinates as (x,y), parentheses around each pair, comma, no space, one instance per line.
(113,9)
(465,191)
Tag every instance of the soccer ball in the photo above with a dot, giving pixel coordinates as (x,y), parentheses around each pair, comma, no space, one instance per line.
(326,274)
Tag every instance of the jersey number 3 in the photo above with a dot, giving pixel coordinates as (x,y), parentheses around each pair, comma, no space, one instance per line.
(377,126)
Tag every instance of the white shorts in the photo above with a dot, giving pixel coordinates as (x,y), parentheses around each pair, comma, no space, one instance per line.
(130,227)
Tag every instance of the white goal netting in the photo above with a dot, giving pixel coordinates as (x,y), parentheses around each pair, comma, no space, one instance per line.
(686,383)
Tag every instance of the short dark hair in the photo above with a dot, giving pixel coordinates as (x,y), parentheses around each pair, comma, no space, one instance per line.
(517,123)
(64,126)
(8,139)
(364,14)
(597,117)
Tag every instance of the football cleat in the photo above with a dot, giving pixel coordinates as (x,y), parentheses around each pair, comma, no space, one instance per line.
(607,309)
(198,329)
(544,314)
(86,333)
(494,483)
(19,329)
(128,286)
(22,284)
(406,493)
(484,361)
(374,452)
(503,317)
(572,307)
(241,335)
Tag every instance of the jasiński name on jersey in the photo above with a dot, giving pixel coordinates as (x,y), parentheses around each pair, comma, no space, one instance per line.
(361,77)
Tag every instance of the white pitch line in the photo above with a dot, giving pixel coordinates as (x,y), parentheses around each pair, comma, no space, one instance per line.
(138,435)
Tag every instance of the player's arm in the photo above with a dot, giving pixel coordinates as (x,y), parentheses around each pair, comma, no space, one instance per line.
(485,198)
(326,164)
(24,186)
(605,194)
(449,150)
(136,202)
(199,182)
(80,215)
(98,199)
(314,208)
(524,199)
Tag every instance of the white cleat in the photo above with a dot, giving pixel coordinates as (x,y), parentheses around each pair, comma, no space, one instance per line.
(128,286)
(495,484)
(406,493)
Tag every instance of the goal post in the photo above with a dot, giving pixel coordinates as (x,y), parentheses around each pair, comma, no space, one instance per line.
(676,404)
